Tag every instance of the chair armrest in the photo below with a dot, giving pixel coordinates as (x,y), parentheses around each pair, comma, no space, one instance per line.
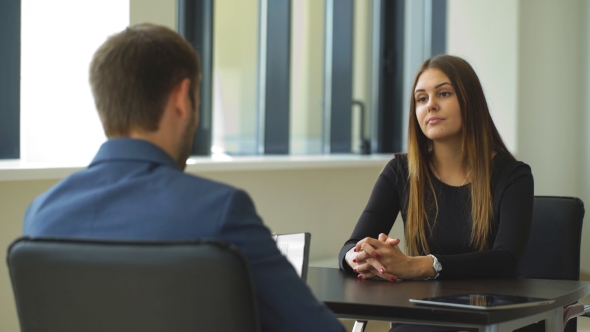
(574,310)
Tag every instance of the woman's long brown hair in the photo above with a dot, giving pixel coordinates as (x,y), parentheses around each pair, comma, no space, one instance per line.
(480,140)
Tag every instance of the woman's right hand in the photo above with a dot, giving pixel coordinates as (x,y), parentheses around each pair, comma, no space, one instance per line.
(369,260)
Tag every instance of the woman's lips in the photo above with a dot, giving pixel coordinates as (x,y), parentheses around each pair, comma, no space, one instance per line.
(434,120)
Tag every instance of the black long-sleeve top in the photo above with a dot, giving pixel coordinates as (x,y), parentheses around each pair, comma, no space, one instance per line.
(512,193)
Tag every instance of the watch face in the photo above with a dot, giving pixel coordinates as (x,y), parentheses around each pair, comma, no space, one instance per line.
(437,266)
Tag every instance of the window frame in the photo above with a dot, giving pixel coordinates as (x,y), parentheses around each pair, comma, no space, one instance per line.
(338,70)
(10,61)
(274,77)
(195,24)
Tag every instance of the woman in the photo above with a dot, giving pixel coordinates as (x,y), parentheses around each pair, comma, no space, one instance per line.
(465,201)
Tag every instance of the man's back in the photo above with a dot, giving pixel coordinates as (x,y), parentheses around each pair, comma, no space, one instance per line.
(131,190)
(134,190)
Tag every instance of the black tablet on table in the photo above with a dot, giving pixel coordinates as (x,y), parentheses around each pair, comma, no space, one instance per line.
(483,301)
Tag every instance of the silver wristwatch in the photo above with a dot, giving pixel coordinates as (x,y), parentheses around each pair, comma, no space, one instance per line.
(437,266)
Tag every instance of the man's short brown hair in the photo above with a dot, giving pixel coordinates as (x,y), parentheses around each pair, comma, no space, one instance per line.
(133,73)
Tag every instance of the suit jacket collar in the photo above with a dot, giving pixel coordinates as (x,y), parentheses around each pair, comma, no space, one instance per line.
(128,149)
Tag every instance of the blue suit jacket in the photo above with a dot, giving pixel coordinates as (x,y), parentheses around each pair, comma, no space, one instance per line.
(133,190)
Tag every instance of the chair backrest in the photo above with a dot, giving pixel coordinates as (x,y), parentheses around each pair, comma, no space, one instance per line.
(553,251)
(72,285)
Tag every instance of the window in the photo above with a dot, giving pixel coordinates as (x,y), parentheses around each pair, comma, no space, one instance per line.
(235,63)
(344,74)
(275,88)
(279,76)
(307,76)
(59,119)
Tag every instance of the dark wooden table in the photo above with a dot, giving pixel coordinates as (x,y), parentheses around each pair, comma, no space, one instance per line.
(387,301)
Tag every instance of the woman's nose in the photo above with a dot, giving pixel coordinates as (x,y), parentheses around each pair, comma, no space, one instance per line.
(432,105)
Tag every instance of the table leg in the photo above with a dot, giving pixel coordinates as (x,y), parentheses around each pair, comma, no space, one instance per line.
(489,328)
(555,322)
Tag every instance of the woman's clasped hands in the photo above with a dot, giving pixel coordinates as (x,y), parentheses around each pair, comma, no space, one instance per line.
(383,258)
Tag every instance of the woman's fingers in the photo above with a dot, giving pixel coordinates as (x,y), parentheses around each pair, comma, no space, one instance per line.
(368,248)
(364,274)
(359,244)
(393,242)
(372,268)
(365,246)
(387,276)
(351,258)
(367,252)
(373,265)
(377,256)
(361,257)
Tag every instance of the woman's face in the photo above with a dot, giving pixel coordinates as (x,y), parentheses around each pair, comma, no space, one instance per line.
(437,107)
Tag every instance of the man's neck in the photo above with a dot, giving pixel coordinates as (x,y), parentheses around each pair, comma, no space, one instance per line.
(158,139)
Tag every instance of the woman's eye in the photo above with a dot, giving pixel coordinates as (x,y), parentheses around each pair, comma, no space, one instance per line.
(445,94)
(421,99)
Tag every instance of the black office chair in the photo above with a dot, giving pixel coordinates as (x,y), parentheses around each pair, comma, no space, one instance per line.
(553,251)
(73,285)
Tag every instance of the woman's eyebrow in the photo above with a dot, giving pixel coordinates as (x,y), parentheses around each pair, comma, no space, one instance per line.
(436,87)
(443,83)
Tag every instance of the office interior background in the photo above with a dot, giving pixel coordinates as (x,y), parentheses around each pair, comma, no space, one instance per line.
(532,56)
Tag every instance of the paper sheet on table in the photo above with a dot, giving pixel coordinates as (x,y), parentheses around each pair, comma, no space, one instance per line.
(296,248)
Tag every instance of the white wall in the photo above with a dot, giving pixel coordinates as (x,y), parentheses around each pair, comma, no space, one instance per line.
(162,12)
(551,99)
(485,33)
(584,146)
(550,93)
(531,56)
(326,203)
(14,199)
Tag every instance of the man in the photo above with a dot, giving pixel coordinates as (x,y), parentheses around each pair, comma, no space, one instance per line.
(145,82)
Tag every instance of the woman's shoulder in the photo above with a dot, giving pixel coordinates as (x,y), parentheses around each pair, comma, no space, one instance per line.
(396,170)
(398,162)
(506,167)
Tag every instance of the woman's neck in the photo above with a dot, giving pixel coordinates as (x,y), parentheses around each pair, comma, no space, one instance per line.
(449,163)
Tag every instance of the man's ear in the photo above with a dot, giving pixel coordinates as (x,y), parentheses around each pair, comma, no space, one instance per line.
(180,98)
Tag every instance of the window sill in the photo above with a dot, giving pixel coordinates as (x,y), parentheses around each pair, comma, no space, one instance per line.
(16,170)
